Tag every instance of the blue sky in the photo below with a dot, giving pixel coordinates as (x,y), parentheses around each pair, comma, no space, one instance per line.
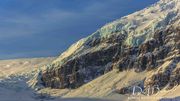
(39,28)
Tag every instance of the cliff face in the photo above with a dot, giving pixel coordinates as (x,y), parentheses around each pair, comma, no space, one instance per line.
(143,41)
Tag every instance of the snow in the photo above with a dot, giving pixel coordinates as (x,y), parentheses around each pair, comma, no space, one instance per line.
(144,22)
(14,77)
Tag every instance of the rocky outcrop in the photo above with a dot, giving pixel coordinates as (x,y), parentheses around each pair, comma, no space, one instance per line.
(174,78)
(167,75)
(83,68)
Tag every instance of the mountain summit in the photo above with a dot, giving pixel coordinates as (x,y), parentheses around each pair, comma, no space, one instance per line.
(145,41)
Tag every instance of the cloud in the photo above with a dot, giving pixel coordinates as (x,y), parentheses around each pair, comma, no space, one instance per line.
(17,23)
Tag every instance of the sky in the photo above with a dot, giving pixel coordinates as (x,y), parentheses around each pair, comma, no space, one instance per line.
(42,28)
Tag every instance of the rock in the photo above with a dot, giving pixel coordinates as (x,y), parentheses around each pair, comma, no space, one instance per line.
(174,78)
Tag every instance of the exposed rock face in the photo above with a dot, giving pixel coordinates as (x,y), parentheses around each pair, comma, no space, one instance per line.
(162,56)
(124,44)
(167,74)
(174,78)
(84,68)
(147,56)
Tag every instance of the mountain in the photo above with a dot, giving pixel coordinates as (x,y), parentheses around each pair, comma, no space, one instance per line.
(133,58)
(143,41)
(144,44)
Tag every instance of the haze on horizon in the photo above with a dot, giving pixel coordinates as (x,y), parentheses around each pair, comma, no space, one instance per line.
(36,28)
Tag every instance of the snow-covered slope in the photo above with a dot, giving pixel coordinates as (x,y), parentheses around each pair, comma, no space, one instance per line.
(138,27)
